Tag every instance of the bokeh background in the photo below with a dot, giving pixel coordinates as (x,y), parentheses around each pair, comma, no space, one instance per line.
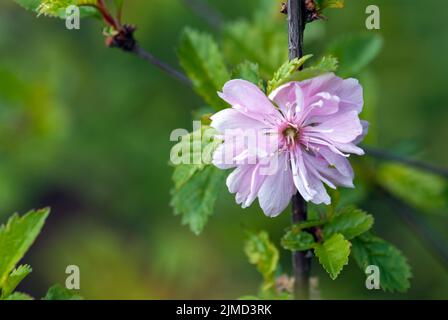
(85,130)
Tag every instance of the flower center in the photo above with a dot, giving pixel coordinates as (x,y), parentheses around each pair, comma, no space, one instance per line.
(291,134)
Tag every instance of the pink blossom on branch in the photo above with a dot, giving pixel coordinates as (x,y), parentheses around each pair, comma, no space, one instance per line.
(307,130)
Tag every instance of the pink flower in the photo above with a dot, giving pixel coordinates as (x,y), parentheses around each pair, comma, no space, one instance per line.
(310,127)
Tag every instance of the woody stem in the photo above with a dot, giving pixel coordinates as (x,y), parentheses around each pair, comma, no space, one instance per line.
(301,261)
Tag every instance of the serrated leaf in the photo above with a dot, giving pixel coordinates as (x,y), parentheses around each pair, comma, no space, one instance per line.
(196,181)
(394,269)
(325,65)
(16,276)
(298,240)
(195,199)
(348,221)
(57,8)
(19,296)
(203,62)
(57,292)
(420,189)
(286,70)
(333,254)
(264,255)
(16,237)
(355,52)
(248,71)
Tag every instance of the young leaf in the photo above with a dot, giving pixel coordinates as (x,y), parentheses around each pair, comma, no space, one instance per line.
(248,71)
(348,221)
(16,237)
(16,276)
(420,189)
(58,292)
(324,65)
(284,73)
(329,4)
(297,240)
(203,62)
(355,52)
(262,253)
(394,269)
(333,254)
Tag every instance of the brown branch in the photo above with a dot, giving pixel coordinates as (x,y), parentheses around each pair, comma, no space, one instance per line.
(300,259)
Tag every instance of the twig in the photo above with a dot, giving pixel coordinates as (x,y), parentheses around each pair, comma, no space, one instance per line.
(300,259)
(202,9)
(384,155)
(145,55)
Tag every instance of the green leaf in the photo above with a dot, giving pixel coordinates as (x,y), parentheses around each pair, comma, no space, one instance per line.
(348,221)
(16,276)
(355,52)
(19,296)
(325,65)
(394,269)
(16,237)
(333,254)
(248,71)
(57,8)
(29,4)
(420,189)
(257,41)
(329,4)
(285,72)
(264,255)
(195,199)
(57,292)
(298,240)
(203,62)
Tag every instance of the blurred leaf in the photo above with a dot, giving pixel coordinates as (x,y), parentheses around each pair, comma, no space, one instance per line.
(248,71)
(297,240)
(29,4)
(333,254)
(420,189)
(19,296)
(329,4)
(57,292)
(262,253)
(201,59)
(284,73)
(394,269)
(195,199)
(256,40)
(16,237)
(348,221)
(16,276)
(355,52)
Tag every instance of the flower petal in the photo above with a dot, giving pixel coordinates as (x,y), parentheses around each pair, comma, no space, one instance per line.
(277,189)
(248,99)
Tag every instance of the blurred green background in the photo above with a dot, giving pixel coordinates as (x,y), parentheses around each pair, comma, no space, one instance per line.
(85,130)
